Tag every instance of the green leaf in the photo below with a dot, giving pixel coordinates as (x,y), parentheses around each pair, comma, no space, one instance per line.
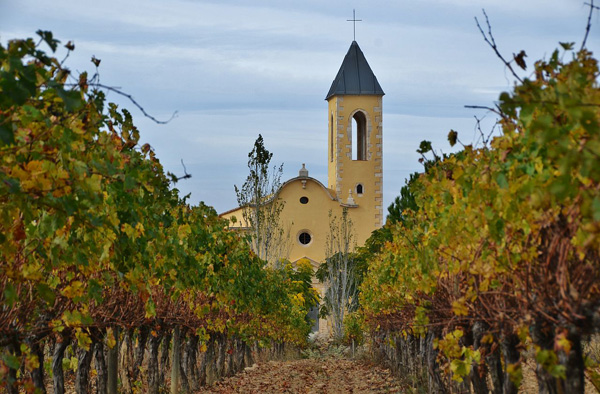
(71,98)
(48,37)
(499,229)
(459,369)
(13,185)
(567,46)
(424,147)
(10,294)
(46,293)
(95,290)
(452,137)
(12,361)
(150,309)
(6,135)
(520,59)
(596,208)
(561,187)
(129,183)
(17,91)
(502,181)
(70,205)
(558,371)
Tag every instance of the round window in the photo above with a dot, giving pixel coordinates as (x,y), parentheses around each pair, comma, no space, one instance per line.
(304,200)
(304,238)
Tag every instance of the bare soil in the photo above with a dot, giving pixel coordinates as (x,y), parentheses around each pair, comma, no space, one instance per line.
(329,375)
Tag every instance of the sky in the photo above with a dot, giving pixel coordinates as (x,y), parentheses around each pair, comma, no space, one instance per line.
(234,69)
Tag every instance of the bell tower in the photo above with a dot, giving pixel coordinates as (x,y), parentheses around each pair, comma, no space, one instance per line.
(355,137)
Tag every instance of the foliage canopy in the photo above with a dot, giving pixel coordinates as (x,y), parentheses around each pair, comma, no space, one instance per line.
(93,236)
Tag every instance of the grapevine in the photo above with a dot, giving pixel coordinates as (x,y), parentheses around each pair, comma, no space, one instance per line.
(97,248)
(501,254)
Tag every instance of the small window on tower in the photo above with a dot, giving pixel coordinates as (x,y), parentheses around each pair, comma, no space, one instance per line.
(359,189)
(331,138)
(304,200)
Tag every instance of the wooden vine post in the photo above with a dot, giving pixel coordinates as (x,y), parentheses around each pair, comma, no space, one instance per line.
(176,361)
(113,362)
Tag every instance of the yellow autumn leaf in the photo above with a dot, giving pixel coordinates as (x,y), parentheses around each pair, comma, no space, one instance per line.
(110,338)
(75,289)
(487,338)
(183,231)
(563,343)
(459,308)
(83,339)
(127,229)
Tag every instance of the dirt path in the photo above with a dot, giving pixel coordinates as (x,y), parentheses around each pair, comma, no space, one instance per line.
(310,376)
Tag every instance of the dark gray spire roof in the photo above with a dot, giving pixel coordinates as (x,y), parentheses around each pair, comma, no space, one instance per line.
(355,76)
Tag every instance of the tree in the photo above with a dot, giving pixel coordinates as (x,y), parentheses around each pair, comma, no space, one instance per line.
(338,272)
(261,206)
(406,200)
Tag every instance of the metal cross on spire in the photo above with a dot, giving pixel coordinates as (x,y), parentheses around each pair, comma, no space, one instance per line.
(354,20)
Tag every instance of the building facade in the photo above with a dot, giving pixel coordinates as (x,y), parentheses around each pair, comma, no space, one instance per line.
(355,168)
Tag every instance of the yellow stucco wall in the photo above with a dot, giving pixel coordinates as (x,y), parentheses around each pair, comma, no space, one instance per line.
(312,217)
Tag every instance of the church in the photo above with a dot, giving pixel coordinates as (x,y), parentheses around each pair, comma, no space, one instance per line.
(355,168)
